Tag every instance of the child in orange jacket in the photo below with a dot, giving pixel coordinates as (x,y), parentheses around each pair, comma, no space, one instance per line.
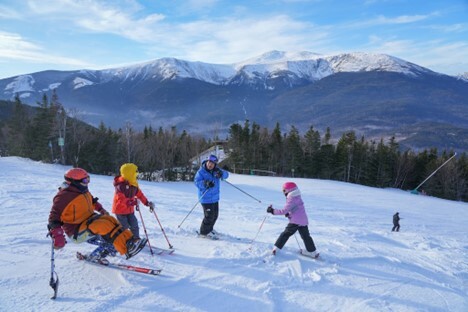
(126,195)
(73,213)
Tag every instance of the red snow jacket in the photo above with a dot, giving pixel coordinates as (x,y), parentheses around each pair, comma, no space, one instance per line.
(124,197)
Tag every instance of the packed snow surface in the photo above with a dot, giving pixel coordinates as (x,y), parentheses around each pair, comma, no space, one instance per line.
(363,266)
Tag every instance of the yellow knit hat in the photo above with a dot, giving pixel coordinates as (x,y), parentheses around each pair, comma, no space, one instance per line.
(129,172)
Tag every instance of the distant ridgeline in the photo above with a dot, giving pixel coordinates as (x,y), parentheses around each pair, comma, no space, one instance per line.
(375,95)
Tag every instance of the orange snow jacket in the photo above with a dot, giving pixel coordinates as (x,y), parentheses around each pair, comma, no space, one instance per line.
(125,193)
(70,208)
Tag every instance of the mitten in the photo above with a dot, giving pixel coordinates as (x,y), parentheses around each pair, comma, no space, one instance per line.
(209,184)
(98,207)
(151,206)
(131,201)
(58,237)
(270,209)
(218,173)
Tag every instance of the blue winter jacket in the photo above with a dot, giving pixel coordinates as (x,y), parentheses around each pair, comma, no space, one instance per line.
(202,175)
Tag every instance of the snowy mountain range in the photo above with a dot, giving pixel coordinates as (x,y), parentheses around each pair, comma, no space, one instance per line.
(297,65)
(374,94)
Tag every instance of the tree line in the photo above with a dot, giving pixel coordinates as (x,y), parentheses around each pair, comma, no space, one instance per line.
(52,134)
(377,163)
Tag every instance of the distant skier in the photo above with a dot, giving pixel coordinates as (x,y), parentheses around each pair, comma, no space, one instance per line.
(125,198)
(73,212)
(396,222)
(294,210)
(207,180)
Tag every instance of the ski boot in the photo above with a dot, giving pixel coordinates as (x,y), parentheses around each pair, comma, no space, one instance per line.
(134,246)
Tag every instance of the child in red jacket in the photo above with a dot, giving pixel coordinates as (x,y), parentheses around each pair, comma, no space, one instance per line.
(126,195)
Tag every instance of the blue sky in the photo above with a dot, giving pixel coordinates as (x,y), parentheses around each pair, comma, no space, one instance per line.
(38,35)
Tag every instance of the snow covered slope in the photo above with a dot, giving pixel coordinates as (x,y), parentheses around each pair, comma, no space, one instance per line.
(365,267)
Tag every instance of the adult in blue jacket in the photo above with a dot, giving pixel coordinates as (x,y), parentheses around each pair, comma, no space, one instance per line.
(207,179)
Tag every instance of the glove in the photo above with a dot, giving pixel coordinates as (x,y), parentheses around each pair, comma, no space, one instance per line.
(151,206)
(58,237)
(131,202)
(270,209)
(95,199)
(103,212)
(218,173)
(98,207)
(287,215)
(209,184)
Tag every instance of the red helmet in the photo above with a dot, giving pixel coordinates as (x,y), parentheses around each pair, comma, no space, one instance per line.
(289,187)
(76,174)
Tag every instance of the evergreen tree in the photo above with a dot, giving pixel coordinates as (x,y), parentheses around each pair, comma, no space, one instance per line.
(264,150)
(403,169)
(294,155)
(344,156)
(276,150)
(326,157)
(254,147)
(40,131)
(461,187)
(235,146)
(311,152)
(381,167)
(361,161)
(16,130)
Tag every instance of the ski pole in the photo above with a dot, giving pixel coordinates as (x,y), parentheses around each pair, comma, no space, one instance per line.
(193,208)
(242,191)
(259,229)
(144,227)
(297,241)
(54,282)
(162,229)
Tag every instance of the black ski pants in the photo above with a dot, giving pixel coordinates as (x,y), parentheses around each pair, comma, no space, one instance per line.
(289,231)
(396,227)
(211,215)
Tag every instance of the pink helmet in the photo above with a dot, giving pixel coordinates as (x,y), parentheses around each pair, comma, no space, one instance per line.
(289,187)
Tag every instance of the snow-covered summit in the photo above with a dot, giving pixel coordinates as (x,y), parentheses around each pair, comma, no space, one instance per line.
(358,62)
(463,76)
(171,68)
(302,65)
(279,56)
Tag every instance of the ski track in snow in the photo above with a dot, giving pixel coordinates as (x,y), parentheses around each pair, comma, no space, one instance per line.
(363,265)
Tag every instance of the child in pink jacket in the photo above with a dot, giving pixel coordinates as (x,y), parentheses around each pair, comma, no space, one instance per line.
(295,211)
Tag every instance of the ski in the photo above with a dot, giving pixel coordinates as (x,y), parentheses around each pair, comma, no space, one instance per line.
(119,266)
(212,236)
(54,284)
(268,258)
(317,256)
(162,251)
